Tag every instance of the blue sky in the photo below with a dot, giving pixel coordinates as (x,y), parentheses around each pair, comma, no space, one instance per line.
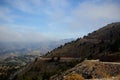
(39,20)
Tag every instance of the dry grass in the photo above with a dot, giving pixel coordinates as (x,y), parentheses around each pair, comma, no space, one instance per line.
(105,75)
(74,76)
(118,77)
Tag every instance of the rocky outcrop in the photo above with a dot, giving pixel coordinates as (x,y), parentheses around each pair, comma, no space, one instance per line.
(92,69)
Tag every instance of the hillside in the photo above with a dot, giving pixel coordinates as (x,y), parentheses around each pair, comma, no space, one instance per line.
(103,43)
(43,69)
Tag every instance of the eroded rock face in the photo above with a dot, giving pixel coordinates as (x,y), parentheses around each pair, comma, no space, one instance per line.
(92,69)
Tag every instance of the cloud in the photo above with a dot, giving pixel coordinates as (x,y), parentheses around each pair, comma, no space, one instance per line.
(25,34)
(52,18)
(30,7)
(5,15)
(37,6)
(56,9)
(6,34)
(22,5)
(60,9)
(91,15)
(94,11)
(53,9)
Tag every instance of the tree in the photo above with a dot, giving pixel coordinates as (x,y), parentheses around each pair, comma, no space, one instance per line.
(115,45)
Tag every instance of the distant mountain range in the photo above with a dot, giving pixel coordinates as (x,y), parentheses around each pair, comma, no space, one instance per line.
(27,48)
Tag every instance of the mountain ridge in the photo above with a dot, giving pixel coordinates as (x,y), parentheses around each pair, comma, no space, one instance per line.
(8,49)
(104,41)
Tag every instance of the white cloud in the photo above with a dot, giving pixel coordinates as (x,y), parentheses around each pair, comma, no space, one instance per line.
(90,15)
(16,33)
(85,17)
(22,5)
(7,34)
(56,9)
(95,11)
(5,14)
(37,3)
(58,3)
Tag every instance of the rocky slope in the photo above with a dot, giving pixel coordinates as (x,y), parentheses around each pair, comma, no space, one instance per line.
(92,69)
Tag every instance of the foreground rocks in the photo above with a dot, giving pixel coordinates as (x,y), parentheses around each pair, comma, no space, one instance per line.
(93,69)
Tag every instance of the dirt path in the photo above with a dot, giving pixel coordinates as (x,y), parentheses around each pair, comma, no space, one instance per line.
(111,63)
(61,58)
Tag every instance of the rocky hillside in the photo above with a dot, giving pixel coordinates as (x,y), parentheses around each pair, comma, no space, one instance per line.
(90,69)
(43,69)
(103,44)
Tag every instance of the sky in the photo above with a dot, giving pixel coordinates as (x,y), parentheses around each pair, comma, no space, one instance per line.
(40,20)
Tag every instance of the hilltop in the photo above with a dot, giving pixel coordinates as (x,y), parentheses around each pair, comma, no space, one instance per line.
(103,43)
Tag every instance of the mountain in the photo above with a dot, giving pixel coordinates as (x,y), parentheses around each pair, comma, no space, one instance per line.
(26,48)
(103,44)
